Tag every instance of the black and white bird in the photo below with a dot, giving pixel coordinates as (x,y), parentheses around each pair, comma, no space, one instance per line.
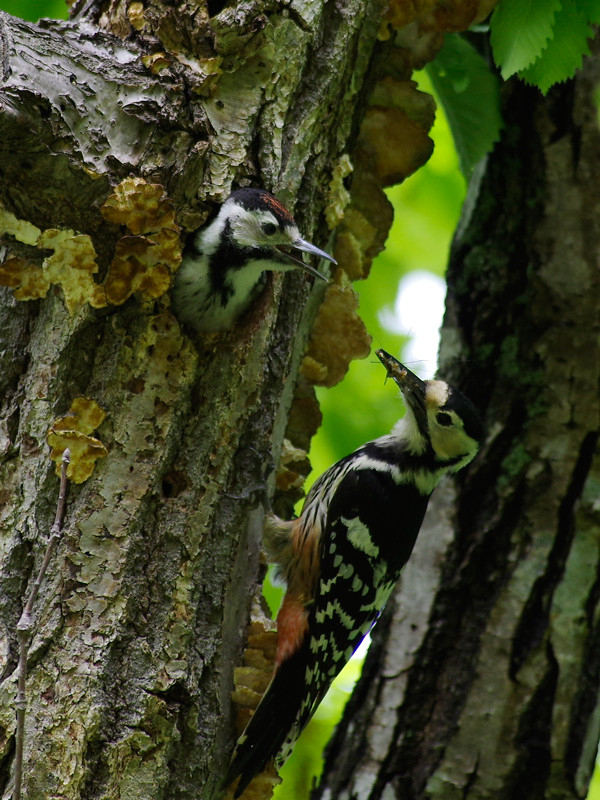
(224,264)
(342,557)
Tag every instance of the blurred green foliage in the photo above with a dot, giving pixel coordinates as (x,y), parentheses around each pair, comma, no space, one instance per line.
(594,793)
(469,92)
(33,10)
(426,211)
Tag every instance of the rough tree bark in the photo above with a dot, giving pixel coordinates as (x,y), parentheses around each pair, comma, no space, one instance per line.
(483,679)
(111,124)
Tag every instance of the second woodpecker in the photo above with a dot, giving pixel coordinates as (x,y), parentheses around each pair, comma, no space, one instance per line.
(224,264)
(342,557)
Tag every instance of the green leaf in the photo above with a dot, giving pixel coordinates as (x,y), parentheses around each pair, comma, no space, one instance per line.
(590,9)
(520,30)
(564,52)
(469,93)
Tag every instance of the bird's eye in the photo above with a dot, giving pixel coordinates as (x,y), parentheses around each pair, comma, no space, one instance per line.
(442,418)
(269,228)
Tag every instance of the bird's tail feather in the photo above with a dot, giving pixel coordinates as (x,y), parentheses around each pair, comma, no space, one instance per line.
(272,723)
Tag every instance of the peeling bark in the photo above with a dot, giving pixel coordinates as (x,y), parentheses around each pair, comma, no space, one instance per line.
(483,678)
(140,621)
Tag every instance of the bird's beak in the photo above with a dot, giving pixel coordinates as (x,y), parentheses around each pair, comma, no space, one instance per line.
(412,387)
(307,247)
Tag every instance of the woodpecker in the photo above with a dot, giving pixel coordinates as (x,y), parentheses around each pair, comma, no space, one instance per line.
(343,555)
(224,264)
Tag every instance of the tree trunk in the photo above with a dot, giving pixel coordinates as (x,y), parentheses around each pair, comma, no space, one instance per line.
(483,678)
(110,125)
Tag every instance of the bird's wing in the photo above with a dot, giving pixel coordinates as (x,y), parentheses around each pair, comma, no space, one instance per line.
(367,535)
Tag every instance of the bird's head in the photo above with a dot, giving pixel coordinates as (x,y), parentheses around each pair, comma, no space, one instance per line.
(254,220)
(440,420)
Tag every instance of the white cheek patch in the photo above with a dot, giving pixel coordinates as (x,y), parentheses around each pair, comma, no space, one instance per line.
(247,228)
(248,232)
(448,442)
(452,443)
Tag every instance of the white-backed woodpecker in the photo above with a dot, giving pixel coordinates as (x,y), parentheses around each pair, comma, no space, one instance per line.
(224,264)
(342,557)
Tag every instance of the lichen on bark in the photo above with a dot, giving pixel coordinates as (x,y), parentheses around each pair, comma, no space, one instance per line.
(141,620)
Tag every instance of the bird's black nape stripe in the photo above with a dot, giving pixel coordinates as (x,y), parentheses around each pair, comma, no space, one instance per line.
(423,462)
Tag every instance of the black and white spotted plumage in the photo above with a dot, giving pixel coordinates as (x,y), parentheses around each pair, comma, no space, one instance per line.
(224,264)
(342,557)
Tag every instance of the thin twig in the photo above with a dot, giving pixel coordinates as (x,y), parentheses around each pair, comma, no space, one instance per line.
(25,625)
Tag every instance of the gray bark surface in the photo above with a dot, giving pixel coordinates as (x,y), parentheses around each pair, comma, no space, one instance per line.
(483,678)
(140,620)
